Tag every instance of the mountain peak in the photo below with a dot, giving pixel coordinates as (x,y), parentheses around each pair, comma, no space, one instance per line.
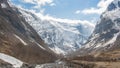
(114,5)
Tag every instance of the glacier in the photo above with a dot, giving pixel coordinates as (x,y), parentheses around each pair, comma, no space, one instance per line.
(60,34)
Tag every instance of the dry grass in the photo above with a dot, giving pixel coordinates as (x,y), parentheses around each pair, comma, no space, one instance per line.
(109,59)
(88,64)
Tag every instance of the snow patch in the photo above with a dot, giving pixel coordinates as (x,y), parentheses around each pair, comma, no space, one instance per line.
(40,66)
(15,62)
(32,40)
(40,46)
(57,50)
(3,5)
(112,40)
(20,39)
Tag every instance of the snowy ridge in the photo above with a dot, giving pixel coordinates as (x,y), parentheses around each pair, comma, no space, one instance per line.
(113,5)
(15,62)
(107,29)
(64,35)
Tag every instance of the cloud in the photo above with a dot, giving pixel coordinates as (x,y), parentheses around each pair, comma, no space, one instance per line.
(69,21)
(42,11)
(52,4)
(93,11)
(77,12)
(29,1)
(50,18)
(101,7)
(38,3)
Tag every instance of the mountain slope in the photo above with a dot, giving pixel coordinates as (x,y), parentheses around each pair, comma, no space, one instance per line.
(62,37)
(106,35)
(19,39)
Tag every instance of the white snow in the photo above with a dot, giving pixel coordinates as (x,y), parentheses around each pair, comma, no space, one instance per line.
(3,5)
(40,46)
(41,66)
(104,32)
(98,45)
(114,14)
(20,39)
(112,40)
(15,62)
(89,44)
(58,50)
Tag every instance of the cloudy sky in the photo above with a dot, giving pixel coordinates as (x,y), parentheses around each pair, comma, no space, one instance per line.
(86,10)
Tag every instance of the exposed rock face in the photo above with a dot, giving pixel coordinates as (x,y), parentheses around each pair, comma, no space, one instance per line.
(19,39)
(3,1)
(28,66)
(114,5)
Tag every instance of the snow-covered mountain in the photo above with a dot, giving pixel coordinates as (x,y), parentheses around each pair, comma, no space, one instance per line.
(61,36)
(107,31)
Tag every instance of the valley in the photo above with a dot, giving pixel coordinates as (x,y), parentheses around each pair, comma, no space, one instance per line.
(31,41)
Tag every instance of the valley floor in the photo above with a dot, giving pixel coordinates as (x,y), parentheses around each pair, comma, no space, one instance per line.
(95,64)
(72,64)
